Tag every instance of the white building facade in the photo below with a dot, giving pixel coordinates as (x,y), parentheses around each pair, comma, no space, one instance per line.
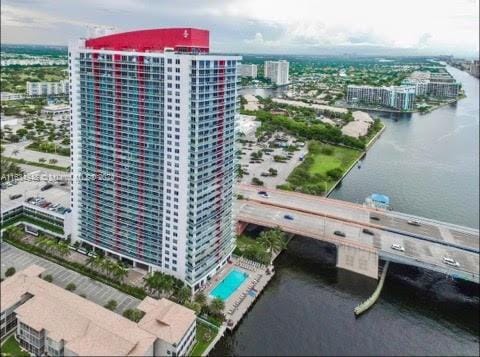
(47,88)
(154,113)
(247,70)
(277,72)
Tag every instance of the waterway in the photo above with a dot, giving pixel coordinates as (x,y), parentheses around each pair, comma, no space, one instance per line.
(428,165)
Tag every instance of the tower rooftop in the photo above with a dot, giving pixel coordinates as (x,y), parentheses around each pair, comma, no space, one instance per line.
(180,39)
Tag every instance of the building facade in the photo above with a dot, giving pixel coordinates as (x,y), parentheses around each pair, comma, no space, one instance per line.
(397,97)
(277,71)
(247,70)
(47,88)
(51,321)
(440,85)
(153,122)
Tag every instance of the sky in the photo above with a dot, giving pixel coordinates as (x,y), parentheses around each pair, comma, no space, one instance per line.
(317,27)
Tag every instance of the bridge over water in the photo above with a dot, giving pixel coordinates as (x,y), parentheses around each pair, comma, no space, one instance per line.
(318,218)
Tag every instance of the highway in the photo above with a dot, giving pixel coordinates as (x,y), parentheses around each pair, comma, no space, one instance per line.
(319,218)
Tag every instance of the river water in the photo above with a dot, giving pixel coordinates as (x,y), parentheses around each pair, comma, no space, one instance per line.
(429,166)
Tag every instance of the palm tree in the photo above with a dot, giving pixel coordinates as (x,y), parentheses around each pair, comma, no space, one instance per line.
(14,233)
(200,298)
(216,306)
(273,241)
(63,249)
(183,295)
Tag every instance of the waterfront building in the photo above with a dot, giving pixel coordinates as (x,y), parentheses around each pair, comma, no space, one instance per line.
(47,88)
(154,112)
(49,320)
(441,85)
(247,70)
(277,71)
(397,97)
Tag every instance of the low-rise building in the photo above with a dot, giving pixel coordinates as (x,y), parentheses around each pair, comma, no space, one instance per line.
(247,70)
(49,320)
(38,202)
(5,96)
(47,88)
(56,109)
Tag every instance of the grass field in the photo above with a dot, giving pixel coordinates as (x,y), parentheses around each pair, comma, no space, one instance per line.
(323,166)
(12,348)
(205,335)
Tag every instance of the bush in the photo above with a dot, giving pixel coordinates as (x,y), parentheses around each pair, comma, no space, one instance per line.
(257,182)
(71,287)
(48,278)
(10,271)
(133,314)
(335,173)
(111,305)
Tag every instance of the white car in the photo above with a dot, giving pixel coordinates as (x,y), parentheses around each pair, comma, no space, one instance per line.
(398,247)
(450,261)
(414,222)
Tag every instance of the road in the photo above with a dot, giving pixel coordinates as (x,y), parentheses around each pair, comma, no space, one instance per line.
(442,232)
(419,252)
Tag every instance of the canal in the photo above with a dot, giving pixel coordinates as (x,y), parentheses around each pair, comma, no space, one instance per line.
(429,166)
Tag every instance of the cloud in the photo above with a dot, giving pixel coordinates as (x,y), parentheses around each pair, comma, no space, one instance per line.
(306,26)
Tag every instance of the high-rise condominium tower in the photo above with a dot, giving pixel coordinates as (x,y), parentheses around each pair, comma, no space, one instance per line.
(153,114)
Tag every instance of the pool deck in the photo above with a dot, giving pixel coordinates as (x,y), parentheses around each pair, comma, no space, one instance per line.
(238,303)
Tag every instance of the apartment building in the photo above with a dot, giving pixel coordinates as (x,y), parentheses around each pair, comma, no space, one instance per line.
(155,111)
(475,68)
(441,85)
(47,88)
(397,97)
(277,71)
(247,70)
(49,320)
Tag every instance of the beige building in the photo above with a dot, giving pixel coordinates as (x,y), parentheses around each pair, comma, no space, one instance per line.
(51,320)
(277,71)
(247,70)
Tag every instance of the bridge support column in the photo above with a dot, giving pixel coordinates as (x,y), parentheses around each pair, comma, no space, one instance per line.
(358,260)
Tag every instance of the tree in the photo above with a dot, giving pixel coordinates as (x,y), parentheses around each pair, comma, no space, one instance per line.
(71,287)
(41,160)
(111,305)
(200,298)
(14,232)
(53,161)
(257,182)
(273,241)
(48,278)
(216,306)
(133,314)
(183,295)
(10,271)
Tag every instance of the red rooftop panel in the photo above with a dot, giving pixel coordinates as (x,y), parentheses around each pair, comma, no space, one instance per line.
(180,39)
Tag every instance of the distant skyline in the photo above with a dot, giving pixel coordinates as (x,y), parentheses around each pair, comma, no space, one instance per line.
(368,27)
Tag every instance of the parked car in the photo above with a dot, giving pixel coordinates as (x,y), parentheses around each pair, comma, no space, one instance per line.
(414,222)
(450,261)
(289,217)
(398,247)
(14,197)
(368,231)
(340,233)
(263,193)
(375,218)
(46,187)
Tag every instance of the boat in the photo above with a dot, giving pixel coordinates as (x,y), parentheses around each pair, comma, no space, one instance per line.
(378,201)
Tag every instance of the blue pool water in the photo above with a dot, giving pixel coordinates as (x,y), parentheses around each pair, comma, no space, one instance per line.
(229,284)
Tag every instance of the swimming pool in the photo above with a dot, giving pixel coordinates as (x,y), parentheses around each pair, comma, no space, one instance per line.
(229,284)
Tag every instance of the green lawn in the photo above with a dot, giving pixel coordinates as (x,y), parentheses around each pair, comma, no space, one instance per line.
(205,335)
(12,348)
(341,158)
(250,248)
(323,166)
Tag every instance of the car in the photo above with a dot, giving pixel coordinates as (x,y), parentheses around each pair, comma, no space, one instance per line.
(398,247)
(368,231)
(46,187)
(14,197)
(375,218)
(263,193)
(451,262)
(414,222)
(340,233)
(289,217)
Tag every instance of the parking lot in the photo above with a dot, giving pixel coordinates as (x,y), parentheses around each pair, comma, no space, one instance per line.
(283,168)
(92,290)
